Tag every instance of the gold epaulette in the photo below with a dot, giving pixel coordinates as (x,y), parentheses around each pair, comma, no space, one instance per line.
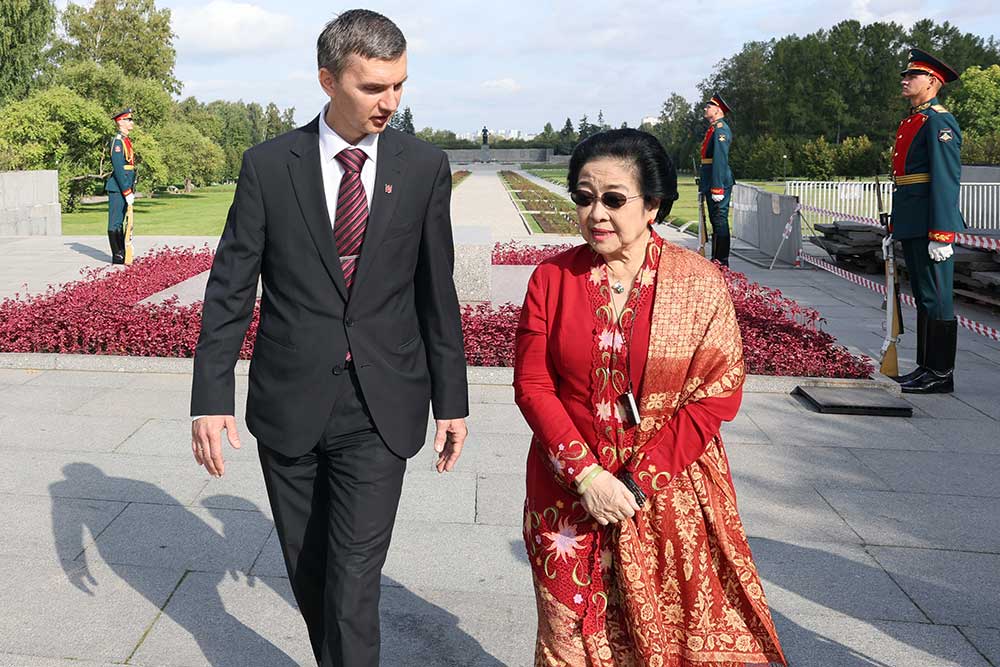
(939,108)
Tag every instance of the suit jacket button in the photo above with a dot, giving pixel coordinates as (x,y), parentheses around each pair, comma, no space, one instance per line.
(349,322)
(338,369)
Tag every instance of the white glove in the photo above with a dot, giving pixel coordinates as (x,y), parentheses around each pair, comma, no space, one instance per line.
(939,251)
(718,198)
(130,198)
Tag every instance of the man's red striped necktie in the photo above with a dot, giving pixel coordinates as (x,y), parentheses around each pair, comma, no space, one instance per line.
(352,212)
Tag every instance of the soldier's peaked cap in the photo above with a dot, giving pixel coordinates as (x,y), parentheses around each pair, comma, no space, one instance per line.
(921,62)
(124,114)
(721,103)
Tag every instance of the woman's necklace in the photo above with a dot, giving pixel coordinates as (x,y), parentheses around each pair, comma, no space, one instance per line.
(617,285)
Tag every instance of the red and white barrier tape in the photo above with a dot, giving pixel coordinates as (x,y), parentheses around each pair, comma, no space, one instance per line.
(963,322)
(982,242)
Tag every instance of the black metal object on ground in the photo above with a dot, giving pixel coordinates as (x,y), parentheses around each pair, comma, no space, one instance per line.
(854,401)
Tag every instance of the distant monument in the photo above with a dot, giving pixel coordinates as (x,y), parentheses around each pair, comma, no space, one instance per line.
(484,151)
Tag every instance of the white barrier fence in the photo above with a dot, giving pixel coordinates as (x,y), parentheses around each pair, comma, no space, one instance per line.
(979,202)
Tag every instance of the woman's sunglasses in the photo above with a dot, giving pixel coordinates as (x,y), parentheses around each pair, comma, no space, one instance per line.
(611,200)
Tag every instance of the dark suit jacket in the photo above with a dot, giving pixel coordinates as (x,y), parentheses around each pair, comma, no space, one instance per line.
(402,321)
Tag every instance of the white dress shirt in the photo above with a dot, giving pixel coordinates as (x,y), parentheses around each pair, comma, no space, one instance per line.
(330,144)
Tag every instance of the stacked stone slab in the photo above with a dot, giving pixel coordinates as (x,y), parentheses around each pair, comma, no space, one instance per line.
(29,203)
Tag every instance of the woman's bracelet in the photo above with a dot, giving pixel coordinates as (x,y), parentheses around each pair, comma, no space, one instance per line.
(584,483)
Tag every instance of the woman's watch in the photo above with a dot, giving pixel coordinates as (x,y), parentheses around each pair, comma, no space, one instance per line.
(626,477)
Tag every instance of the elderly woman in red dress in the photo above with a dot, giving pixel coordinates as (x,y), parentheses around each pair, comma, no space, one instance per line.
(628,361)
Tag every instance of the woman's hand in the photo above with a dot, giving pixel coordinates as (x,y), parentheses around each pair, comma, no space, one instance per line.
(608,500)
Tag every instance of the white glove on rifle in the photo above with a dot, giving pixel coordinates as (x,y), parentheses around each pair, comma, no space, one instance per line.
(130,198)
(718,198)
(939,251)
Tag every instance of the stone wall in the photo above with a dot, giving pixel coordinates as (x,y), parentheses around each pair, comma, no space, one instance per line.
(978,174)
(29,203)
(467,155)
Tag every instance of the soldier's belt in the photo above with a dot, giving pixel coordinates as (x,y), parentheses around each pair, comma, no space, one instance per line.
(706,160)
(128,167)
(912,179)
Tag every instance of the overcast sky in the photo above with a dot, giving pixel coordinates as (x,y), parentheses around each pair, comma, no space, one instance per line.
(516,63)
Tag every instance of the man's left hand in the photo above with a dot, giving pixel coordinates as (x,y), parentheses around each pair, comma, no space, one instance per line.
(939,251)
(718,198)
(448,442)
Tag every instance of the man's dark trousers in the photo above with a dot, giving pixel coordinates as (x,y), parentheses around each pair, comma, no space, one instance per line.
(334,509)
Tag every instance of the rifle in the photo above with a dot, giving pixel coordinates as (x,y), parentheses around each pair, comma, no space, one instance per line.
(129,227)
(702,218)
(889,363)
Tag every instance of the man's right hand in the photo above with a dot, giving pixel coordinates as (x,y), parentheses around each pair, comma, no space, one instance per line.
(608,500)
(206,441)
(130,199)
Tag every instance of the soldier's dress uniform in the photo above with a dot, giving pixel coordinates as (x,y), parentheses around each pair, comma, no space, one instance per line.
(927,169)
(119,185)
(716,178)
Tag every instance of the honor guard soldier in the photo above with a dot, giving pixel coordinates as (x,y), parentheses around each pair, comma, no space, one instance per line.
(716,181)
(927,169)
(120,184)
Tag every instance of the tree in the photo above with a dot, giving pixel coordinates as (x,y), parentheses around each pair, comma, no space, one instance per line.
(976,104)
(676,129)
(407,122)
(857,156)
(25,29)
(567,139)
(131,33)
(110,87)
(57,129)
(191,157)
(817,160)
(585,129)
(601,125)
(273,124)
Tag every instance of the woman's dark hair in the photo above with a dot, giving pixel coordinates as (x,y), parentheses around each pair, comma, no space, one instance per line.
(656,172)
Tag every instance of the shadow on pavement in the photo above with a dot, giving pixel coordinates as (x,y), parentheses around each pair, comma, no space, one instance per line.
(89,251)
(414,631)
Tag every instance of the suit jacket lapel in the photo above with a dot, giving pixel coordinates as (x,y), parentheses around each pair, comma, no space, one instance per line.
(385,194)
(307,181)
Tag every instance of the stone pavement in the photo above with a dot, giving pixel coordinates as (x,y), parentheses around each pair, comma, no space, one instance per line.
(878,538)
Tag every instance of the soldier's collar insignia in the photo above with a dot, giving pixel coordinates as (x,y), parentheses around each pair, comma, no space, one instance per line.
(925,105)
(945,135)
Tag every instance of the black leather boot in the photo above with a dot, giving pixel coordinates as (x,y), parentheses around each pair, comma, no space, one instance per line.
(939,375)
(921,351)
(720,250)
(116,237)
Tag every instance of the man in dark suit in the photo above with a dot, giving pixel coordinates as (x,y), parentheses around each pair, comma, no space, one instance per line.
(347,223)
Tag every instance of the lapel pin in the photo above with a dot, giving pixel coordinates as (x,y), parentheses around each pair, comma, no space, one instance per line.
(388,188)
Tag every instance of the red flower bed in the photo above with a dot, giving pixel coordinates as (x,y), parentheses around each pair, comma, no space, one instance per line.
(781,337)
(515,253)
(101,314)
(489,334)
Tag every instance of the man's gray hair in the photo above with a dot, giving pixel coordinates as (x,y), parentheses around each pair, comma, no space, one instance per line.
(361,32)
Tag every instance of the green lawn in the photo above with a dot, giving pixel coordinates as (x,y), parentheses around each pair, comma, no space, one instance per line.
(685,208)
(201,213)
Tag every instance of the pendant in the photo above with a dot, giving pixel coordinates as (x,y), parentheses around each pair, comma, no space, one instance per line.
(618,287)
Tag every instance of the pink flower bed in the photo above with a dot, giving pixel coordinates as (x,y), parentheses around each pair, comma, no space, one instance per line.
(514,253)
(101,314)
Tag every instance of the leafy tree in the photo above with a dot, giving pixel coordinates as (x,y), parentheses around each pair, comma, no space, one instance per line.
(676,129)
(765,159)
(131,33)
(193,112)
(857,156)
(110,87)
(585,129)
(190,156)
(57,129)
(818,159)
(548,136)
(976,104)
(25,29)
